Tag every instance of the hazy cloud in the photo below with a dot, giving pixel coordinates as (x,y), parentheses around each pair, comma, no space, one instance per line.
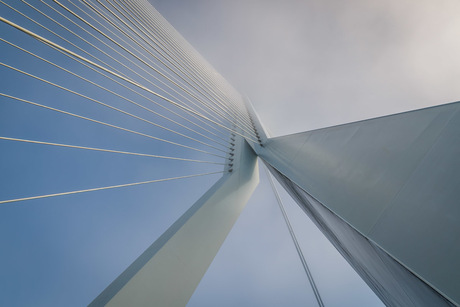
(320,63)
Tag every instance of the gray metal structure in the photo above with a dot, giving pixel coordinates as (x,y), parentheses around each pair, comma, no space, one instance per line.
(386,193)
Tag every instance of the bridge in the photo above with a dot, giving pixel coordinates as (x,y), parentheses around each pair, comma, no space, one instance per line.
(106,97)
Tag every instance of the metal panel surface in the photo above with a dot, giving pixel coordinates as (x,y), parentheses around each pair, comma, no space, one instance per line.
(395,179)
(392,282)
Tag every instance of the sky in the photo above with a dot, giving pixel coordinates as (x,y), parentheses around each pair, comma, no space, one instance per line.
(322,63)
(311,64)
(63,251)
(304,65)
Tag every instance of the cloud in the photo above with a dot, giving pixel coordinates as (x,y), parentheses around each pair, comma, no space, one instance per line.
(310,64)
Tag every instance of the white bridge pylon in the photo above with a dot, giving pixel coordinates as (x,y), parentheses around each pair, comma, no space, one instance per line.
(169,271)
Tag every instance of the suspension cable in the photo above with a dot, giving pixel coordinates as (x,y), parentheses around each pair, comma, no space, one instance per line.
(160,44)
(106,150)
(46,41)
(205,75)
(109,125)
(93,56)
(106,188)
(215,115)
(294,240)
(109,106)
(122,63)
(112,92)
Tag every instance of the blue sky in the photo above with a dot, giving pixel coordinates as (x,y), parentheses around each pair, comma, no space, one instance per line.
(63,251)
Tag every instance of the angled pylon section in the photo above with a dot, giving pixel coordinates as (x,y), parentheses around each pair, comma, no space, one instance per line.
(386,193)
(168,272)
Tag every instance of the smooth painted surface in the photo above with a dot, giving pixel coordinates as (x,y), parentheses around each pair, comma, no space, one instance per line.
(168,272)
(395,179)
(391,282)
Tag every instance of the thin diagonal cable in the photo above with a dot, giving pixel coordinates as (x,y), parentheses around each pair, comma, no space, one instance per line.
(294,239)
(137,93)
(151,28)
(193,70)
(105,124)
(171,32)
(60,4)
(149,99)
(113,108)
(106,105)
(54,33)
(131,61)
(99,66)
(48,42)
(138,18)
(127,28)
(198,79)
(182,54)
(105,35)
(121,63)
(177,83)
(163,26)
(106,150)
(112,92)
(118,72)
(106,188)
(171,63)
